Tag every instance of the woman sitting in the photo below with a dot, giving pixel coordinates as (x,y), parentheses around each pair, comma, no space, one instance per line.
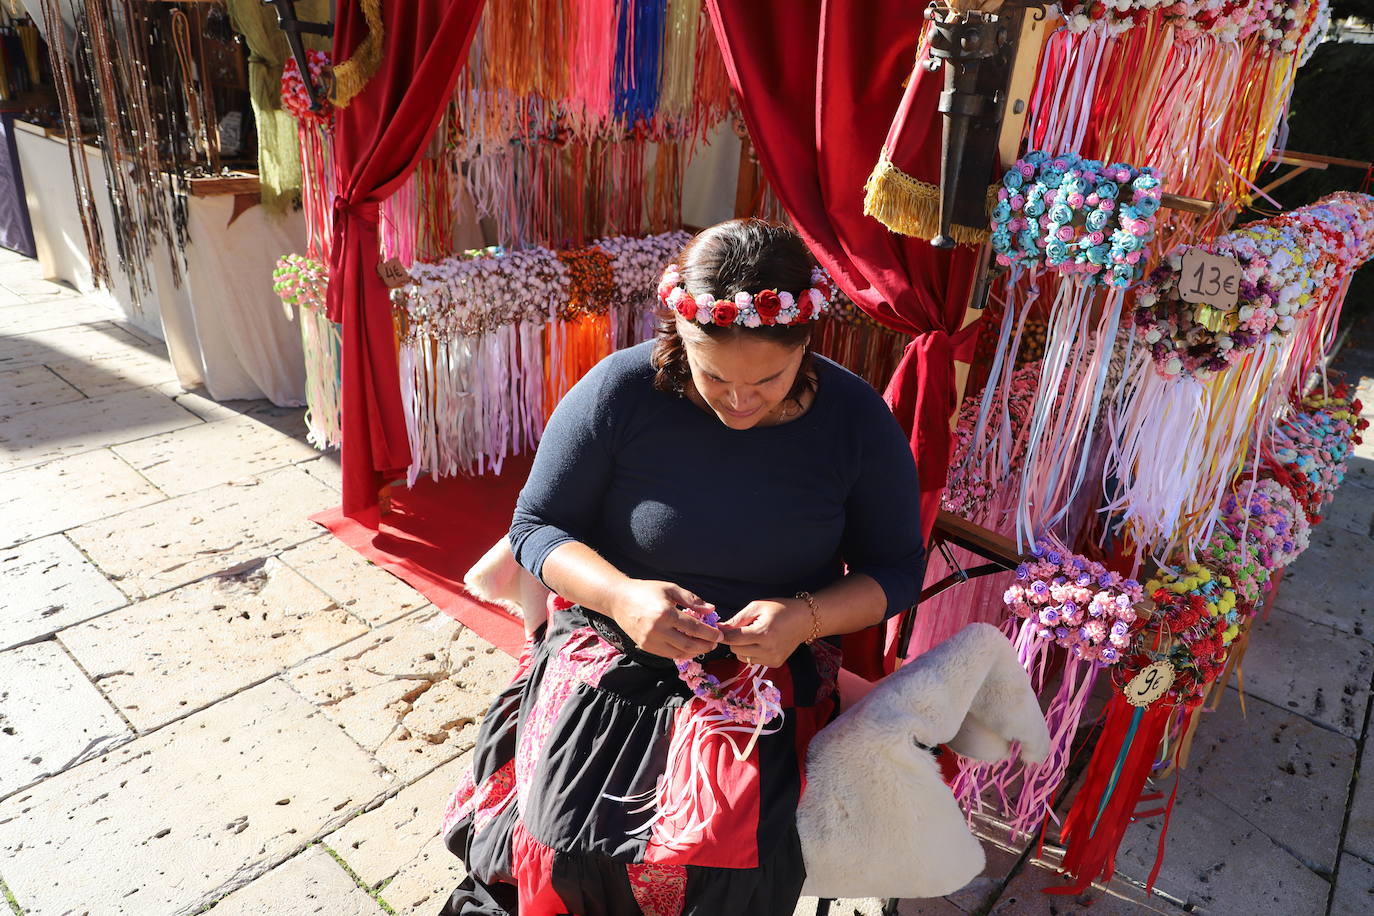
(725,498)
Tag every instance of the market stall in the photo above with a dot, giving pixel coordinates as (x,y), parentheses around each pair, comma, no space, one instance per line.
(142,184)
(1114,386)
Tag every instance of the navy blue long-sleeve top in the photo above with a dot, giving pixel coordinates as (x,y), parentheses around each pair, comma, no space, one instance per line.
(663,490)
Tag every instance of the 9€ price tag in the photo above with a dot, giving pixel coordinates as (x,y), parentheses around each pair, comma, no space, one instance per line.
(1209,279)
(1150,684)
(393,273)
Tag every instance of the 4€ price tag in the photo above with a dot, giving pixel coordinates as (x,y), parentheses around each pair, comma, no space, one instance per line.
(393,273)
(1210,279)
(1150,684)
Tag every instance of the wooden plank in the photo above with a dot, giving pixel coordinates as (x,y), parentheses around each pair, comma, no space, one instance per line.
(1187,204)
(1035,31)
(963,533)
(221,185)
(1290,159)
(1314,160)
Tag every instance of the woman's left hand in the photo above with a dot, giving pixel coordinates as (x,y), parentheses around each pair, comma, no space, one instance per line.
(767,632)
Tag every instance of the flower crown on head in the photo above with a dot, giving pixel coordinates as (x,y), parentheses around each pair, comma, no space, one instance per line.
(752,310)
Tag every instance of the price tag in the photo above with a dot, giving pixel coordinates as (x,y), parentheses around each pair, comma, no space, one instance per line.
(393,273)
(1210,279)
(1150,684)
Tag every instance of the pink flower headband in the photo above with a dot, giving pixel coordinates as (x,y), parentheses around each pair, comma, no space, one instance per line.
(752,310)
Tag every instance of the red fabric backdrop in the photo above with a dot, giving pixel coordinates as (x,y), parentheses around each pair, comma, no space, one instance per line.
(378,139)
(820,82)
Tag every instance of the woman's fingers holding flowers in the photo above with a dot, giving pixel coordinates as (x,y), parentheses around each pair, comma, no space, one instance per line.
(648,611)
(767,632)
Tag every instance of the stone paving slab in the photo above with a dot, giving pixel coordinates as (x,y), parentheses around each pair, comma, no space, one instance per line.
(51,717)
(1310,668)
(151,550)
(49,585)
(38,436)
(368,592)
(1024,896)
(311,884)
(208,454)
(1353,509)
(289,420)
(326,470)
(871,906)
(1325,583)
(62,494)
(61,311)
(117,372)
(168,656)
(32,388)
(1280,772)
(170,821)
(412,692)
(398,843)
(1359,835)
(91,341)
(1354,894)
(1218,862)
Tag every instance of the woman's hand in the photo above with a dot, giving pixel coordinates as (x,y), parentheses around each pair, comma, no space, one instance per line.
(767,632)
(647,610)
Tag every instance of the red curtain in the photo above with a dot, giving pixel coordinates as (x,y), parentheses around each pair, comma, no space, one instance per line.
(819,82)
(378,139)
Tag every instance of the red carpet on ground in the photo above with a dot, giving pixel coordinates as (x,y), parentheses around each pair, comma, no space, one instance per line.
(433,534)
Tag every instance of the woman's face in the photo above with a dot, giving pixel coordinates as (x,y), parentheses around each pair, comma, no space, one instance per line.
(743,379)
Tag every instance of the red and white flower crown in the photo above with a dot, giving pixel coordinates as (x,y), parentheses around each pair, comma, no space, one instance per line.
(752,310)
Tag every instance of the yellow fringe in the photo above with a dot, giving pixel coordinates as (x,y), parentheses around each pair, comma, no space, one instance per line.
(909,206)
(350,76)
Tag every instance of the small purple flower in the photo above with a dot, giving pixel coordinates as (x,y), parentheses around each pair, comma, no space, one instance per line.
(1049,616)
(1120,628)
(1054,557)
(1109,655)
(1040,588)
(1023,572)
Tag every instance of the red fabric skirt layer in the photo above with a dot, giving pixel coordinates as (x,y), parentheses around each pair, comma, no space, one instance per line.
(557,815)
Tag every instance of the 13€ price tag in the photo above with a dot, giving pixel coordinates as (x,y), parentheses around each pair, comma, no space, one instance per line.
(1150,684)
(1209,279)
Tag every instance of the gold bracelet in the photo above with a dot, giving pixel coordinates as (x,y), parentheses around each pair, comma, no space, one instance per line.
(815,616)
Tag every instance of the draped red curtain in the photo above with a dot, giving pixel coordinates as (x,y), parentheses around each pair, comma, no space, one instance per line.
(378,139)
(820,82)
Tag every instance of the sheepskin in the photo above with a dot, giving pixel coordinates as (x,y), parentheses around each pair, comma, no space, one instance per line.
(876,819)
(497,579)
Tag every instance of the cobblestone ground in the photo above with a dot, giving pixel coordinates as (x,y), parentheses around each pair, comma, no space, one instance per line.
(206,702)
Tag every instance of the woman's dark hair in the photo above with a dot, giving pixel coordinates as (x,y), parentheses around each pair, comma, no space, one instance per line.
(741,255)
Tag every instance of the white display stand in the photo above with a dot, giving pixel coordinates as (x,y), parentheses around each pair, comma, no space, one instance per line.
(224,326)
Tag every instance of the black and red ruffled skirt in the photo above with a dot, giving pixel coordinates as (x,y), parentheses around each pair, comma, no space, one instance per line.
(559,813)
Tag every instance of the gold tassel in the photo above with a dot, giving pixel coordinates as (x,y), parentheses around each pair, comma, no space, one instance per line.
(350,76)
(909,206)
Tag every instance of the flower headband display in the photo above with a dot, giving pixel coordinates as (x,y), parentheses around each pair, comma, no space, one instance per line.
(1075,603)
(1290,265)
(294,98)
(751,310)
(1310,446)
(1067,601)
(1194,624)
(1077,217)
(1279,24)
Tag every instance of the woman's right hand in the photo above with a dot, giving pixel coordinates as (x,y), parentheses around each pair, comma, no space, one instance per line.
(648,611)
